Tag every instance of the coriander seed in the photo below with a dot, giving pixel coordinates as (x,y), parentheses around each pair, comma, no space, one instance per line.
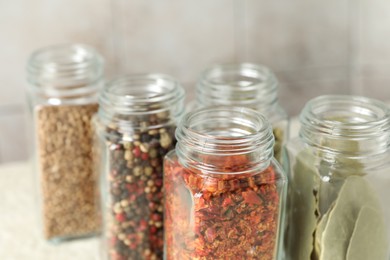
(64,81)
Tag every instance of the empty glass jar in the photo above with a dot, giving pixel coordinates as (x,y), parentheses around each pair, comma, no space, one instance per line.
(339,181)
(224,192)
(246,85)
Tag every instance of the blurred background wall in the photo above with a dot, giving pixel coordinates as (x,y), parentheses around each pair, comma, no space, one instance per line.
(314,47)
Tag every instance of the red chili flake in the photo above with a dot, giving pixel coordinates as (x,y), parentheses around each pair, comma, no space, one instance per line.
(220,216)
(251,197)
(227,202)
(210,234)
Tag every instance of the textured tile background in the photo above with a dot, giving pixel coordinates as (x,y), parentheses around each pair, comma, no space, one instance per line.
(314,47)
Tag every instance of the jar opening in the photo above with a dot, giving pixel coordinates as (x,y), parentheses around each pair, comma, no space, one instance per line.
(243,84)
(129,100)
(208,138)
(348,125)
(143,89)
(66,72)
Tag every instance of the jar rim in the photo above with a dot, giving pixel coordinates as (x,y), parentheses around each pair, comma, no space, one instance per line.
(139,95)
(64,61)
(224,131)
(330,120)
(65,74)
(138,89)
(238,84)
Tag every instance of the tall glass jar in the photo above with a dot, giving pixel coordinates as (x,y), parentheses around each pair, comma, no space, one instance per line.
(339,182)
(224,192)
(135,125)
(245,85)
(63,84)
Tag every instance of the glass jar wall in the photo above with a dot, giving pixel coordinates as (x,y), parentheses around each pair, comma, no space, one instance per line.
(246,85)
(63,85)
(135,125)
(224,193)
(339,181)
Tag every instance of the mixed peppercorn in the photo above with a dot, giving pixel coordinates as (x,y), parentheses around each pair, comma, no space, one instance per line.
(134,217)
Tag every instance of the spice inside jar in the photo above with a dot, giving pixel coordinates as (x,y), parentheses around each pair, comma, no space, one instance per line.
(338,192)
(67,179)
(136,124)
(64,81)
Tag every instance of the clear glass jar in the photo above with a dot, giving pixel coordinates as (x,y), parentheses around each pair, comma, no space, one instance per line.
(245,85)
(224,191)
(135,125)
(63,84)
(339,181)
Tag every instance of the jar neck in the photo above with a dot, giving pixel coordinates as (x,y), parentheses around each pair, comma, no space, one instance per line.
(225,140)
(351,127)
(245,84)
(65,74)
(144,101)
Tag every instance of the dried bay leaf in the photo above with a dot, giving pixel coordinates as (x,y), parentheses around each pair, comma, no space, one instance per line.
(369,239)
(319,232)
(354,194)
(303,183)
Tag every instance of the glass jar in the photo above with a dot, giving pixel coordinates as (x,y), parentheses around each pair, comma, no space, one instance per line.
(339,181)
(135,125)
(224,192)
(245,85)
(63,84)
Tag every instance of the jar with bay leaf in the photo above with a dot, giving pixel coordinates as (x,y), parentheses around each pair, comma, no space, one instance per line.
(245,85)
(339,181)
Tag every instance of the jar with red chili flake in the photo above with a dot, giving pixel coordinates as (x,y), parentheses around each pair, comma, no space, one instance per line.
(224,191)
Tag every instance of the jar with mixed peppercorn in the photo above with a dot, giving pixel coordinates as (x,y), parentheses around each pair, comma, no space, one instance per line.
(224,191)
(135,128)
(245,85)
(339,181)
(64,81)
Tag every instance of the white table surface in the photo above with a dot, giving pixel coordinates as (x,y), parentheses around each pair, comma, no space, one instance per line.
(20,236)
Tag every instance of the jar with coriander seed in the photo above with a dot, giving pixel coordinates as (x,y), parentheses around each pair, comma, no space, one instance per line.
(246,85)
(224,191)
(64,81)
(339,181)
(135,129)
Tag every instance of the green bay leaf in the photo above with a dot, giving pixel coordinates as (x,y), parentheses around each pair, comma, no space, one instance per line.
(354,194)
(303,208)
(319,232)
(369,239)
